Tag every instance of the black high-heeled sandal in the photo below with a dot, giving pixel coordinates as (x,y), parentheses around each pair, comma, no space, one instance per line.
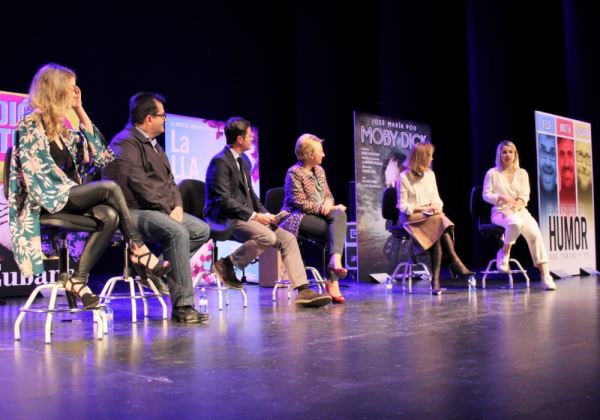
(454,274)
(89,300)
(160,268)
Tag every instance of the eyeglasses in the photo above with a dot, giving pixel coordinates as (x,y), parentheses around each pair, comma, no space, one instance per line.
(584,158)
(548,155)
(160,115)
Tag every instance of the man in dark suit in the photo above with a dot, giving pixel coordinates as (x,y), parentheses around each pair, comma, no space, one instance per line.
(230,199)
(144,174)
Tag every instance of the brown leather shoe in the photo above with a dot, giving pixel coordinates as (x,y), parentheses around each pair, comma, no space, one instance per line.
(311,299)
(224,270)
(188,315)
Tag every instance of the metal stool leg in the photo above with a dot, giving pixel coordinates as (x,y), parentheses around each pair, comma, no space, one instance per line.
(36,291)
(486,272)
(144,300)
(132,299)
(50,316)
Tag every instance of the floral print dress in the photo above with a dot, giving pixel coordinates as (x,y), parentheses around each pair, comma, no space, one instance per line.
(36,182)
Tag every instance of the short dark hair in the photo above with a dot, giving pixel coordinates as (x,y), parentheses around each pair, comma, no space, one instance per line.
(234,127)
(142,104)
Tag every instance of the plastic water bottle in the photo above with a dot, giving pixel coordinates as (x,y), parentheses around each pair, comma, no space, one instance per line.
(109,314)
(203,302)
(388,284)
(472,283)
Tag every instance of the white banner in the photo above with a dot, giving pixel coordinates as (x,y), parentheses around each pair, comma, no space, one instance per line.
(566,191)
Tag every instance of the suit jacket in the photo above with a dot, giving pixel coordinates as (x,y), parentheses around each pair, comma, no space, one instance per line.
(226,192)
(144,175)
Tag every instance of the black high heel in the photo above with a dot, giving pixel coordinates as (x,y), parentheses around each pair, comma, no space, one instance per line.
(89,300)
(160,268)
(464,273)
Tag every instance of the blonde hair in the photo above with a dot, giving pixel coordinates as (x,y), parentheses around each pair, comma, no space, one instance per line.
(305,146)
(420,156)
(510,145)
(50,99)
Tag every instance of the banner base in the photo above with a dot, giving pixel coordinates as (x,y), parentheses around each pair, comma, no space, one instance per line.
(379,277)
(588,271)
(559,274)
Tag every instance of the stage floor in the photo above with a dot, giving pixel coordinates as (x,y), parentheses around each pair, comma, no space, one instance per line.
(496,353)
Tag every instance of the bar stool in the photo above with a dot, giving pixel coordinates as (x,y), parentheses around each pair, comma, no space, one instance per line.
(315,280)
(58,226)
(274,199)
(489,230)
(193,195)
(405,270)
(107,292)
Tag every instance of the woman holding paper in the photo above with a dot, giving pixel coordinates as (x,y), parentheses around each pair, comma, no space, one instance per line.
(313,212)
(421,213)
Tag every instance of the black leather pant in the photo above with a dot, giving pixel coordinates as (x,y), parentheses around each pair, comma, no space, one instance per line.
(103,200)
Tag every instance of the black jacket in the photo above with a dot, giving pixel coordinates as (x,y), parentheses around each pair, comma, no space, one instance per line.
(144,175)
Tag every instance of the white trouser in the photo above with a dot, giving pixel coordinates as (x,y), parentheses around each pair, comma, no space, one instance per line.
(522,223)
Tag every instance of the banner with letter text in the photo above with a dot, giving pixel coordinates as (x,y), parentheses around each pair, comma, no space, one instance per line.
(190,144)
(381,145)
(566,191)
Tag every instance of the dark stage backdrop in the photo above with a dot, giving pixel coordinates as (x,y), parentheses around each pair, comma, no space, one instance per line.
(475,71)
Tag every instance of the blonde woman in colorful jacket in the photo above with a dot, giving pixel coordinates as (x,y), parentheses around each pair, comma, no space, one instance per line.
(48,162)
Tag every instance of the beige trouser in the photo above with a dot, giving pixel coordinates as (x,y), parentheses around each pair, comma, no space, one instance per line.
(257,237)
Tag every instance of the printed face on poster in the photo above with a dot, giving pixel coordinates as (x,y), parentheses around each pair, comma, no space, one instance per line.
(381,145)
(565,191)
(190,144)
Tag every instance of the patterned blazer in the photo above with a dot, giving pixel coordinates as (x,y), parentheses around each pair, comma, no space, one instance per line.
(300,192)
(36,181)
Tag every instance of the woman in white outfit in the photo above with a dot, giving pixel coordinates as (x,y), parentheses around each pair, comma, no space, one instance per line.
(506,187)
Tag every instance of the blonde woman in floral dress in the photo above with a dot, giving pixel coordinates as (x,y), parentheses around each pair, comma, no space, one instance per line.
(48,163)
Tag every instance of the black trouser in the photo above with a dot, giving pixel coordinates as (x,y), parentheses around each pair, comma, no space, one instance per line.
(104,201)
(331,228)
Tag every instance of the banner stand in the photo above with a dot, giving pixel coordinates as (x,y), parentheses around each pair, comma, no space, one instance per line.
(566,193)
(559,274)
(588,271)
(381,145)
(379,277)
